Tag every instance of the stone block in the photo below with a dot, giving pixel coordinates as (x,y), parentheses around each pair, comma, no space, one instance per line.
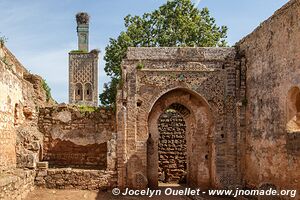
(42,165)
(31,161)
(42,173)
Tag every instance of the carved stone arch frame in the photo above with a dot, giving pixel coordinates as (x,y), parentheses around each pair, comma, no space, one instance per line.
(199,131)
(207,75)
(80,97)
(88,97)
(291,101)
(293,109)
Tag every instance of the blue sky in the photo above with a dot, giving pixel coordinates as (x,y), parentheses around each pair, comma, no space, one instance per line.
(42,32)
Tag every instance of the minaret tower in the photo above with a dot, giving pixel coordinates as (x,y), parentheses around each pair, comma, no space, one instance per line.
(82,20)
(83,67)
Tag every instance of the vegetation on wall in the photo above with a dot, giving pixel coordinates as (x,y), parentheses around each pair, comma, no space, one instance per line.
(140,65)
(91,109)
(177,23)
(85,108)
(3,40)
(47,90)
(6,61)
(78,51)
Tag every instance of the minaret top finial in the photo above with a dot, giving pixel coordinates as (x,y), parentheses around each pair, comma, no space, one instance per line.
(82,18)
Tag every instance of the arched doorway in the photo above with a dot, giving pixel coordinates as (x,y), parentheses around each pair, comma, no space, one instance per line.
(198,123)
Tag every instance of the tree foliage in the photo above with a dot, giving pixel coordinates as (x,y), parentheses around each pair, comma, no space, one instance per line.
(177,23)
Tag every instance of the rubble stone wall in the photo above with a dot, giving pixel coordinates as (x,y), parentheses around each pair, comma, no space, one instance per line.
(77,138)
(172,148)
(272,62)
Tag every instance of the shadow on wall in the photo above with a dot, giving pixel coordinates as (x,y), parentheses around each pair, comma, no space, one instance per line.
(78,139)
(293,110)
(66,153)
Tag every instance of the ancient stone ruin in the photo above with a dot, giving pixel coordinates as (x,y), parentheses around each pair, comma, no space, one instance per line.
(205,117)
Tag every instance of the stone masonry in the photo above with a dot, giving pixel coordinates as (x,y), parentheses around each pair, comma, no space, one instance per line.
(20,141)
(203,82)
(271,59)
(78,139)
(79,148)
(68,178)
(172,147)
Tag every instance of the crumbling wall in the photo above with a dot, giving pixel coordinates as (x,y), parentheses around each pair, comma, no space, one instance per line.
(271,55)
(10,97)
(19,138)
(78,139)
(19,100)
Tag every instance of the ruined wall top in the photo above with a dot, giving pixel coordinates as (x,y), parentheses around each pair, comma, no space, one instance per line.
(284,9)
(82,18)
(12,61)
(190,54)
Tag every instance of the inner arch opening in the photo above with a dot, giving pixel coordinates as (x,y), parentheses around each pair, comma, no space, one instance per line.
(172,146)
(293,103)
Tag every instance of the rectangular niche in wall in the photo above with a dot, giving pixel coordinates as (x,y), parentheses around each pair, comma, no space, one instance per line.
(65,154)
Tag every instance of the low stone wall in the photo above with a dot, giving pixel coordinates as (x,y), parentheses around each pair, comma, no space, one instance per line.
(76,179)
(17,184)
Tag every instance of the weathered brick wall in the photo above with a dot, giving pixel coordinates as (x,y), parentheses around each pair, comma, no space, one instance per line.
(272,60)
(79,139)
(172,148)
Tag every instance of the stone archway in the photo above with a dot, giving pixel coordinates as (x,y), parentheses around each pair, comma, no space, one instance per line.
(199,132)
(213,130)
